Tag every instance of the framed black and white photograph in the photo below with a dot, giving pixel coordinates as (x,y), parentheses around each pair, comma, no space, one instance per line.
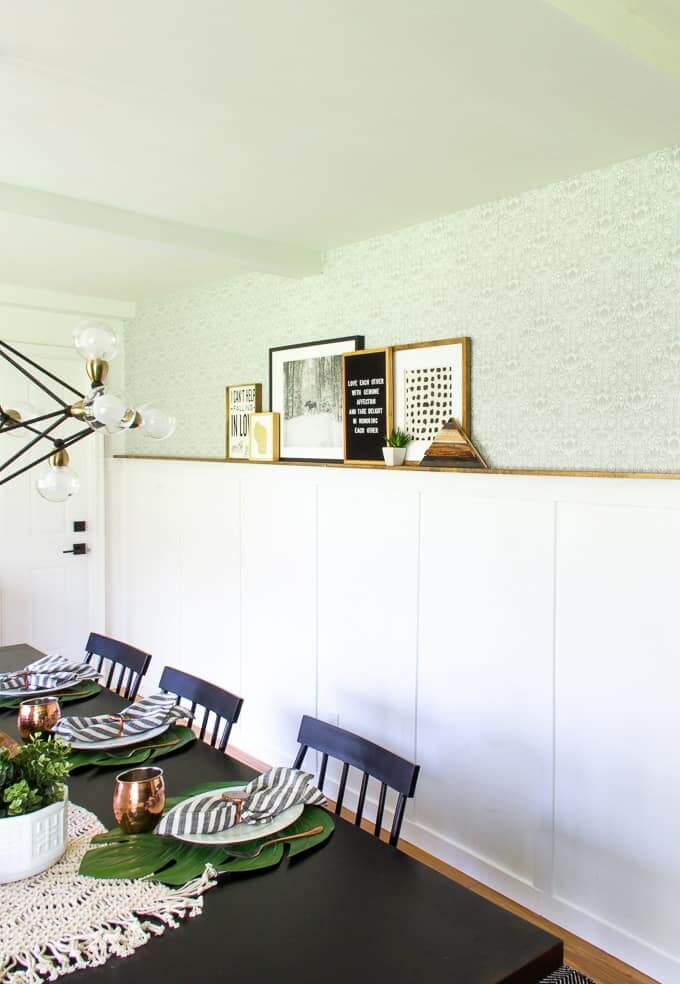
(431,385)
(305,388)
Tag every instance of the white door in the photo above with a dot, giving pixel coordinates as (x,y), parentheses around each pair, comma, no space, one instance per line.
(49,598)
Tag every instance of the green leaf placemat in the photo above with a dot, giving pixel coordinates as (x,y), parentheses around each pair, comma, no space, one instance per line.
(79,691)
(174,862)
(164,744)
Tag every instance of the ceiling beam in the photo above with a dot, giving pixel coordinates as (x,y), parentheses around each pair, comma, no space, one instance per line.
(253,254)
(647,29)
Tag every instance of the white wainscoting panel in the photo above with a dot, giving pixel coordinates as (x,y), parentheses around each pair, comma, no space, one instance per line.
(485,679)
(278,614)
(517,635)
(149,537)
(617,720)
(210,573)
(368,613)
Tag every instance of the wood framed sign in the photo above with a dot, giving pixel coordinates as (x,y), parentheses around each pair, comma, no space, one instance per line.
(431,385)
(242,400)
(367,403)
(264,437)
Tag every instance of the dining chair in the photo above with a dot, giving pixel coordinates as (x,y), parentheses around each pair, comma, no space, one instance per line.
(133,663)
(375,762)
(225,706)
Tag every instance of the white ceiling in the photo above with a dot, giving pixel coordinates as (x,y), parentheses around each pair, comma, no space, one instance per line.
(306,123)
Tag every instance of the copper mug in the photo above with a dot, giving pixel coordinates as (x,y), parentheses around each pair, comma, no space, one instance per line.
(139,799)
(38,715)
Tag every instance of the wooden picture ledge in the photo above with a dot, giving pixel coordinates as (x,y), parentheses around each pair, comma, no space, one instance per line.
(376,466)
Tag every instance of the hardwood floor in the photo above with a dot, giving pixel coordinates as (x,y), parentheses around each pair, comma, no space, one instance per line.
(600,966)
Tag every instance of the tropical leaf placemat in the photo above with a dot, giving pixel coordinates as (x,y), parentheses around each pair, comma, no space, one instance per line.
(79,691)
(173,862)
(164,744)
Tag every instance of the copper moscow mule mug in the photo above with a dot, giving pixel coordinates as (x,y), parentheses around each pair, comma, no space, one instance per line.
(40,714)
(138,799)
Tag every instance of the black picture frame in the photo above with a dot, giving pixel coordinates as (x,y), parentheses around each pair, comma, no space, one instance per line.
(367,403)
(337,347)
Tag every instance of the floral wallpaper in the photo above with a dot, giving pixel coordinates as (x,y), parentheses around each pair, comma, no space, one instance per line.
(570,294)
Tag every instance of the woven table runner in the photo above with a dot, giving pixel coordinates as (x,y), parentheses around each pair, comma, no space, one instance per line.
(60,921)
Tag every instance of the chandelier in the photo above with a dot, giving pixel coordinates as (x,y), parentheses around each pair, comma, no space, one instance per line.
(98,410)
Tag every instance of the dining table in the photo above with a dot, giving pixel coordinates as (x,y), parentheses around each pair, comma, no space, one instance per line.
(352,909)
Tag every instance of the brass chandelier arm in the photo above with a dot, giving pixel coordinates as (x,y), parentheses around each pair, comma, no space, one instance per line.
(67,444)
(45,372)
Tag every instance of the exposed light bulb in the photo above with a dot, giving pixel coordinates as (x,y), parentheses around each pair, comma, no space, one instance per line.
(57,483)
(156,423)
(95,340)
(109,410)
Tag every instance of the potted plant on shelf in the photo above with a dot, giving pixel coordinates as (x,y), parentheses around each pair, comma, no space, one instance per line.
(394,451)
(33,807)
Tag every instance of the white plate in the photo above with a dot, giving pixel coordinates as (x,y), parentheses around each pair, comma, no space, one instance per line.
(241,832)
(37,693)
(109,743)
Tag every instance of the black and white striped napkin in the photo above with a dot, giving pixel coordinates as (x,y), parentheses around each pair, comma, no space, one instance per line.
(137,719)
(46,673)
(265,797)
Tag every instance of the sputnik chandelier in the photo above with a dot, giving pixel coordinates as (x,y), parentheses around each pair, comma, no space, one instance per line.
(99,410)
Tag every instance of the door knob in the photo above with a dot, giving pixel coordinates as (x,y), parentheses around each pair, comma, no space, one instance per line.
(78,548)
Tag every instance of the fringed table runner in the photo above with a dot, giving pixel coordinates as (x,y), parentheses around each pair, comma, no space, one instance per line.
(60,921)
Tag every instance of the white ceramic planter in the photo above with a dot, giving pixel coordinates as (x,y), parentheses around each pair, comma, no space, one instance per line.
(33,842)
(394,456)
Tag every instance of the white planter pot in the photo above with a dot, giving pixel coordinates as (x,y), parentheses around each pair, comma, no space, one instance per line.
(394,456)
(33,842)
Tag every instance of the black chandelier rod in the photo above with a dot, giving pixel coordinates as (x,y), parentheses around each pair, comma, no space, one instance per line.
(33,379)
(17,424)
(45,372)
(27,447)
(67,444)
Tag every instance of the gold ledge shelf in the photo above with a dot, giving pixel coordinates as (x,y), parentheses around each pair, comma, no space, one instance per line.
(376,466)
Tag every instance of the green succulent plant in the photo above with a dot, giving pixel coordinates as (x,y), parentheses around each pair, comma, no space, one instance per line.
(397,439)
(33,778)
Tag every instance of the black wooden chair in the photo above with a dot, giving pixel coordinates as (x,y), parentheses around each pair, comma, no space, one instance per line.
(375,762)
(132,663)
(225,706)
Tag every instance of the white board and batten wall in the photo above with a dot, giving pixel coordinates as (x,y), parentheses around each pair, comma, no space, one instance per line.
(516,635)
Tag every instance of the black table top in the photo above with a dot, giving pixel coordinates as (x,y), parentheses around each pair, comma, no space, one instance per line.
(353,910)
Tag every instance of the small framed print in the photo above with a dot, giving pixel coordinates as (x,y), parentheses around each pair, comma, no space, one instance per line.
(305,387)
(242,400)
(367,403)
(431,385)
(264,437)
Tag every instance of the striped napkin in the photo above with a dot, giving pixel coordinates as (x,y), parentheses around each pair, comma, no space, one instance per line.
(261,800)
(46,673)
(140,717)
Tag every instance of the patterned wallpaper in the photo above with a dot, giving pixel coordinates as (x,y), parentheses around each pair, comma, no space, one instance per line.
(570,293)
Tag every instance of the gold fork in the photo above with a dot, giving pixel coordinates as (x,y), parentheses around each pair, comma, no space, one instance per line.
(249,855)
